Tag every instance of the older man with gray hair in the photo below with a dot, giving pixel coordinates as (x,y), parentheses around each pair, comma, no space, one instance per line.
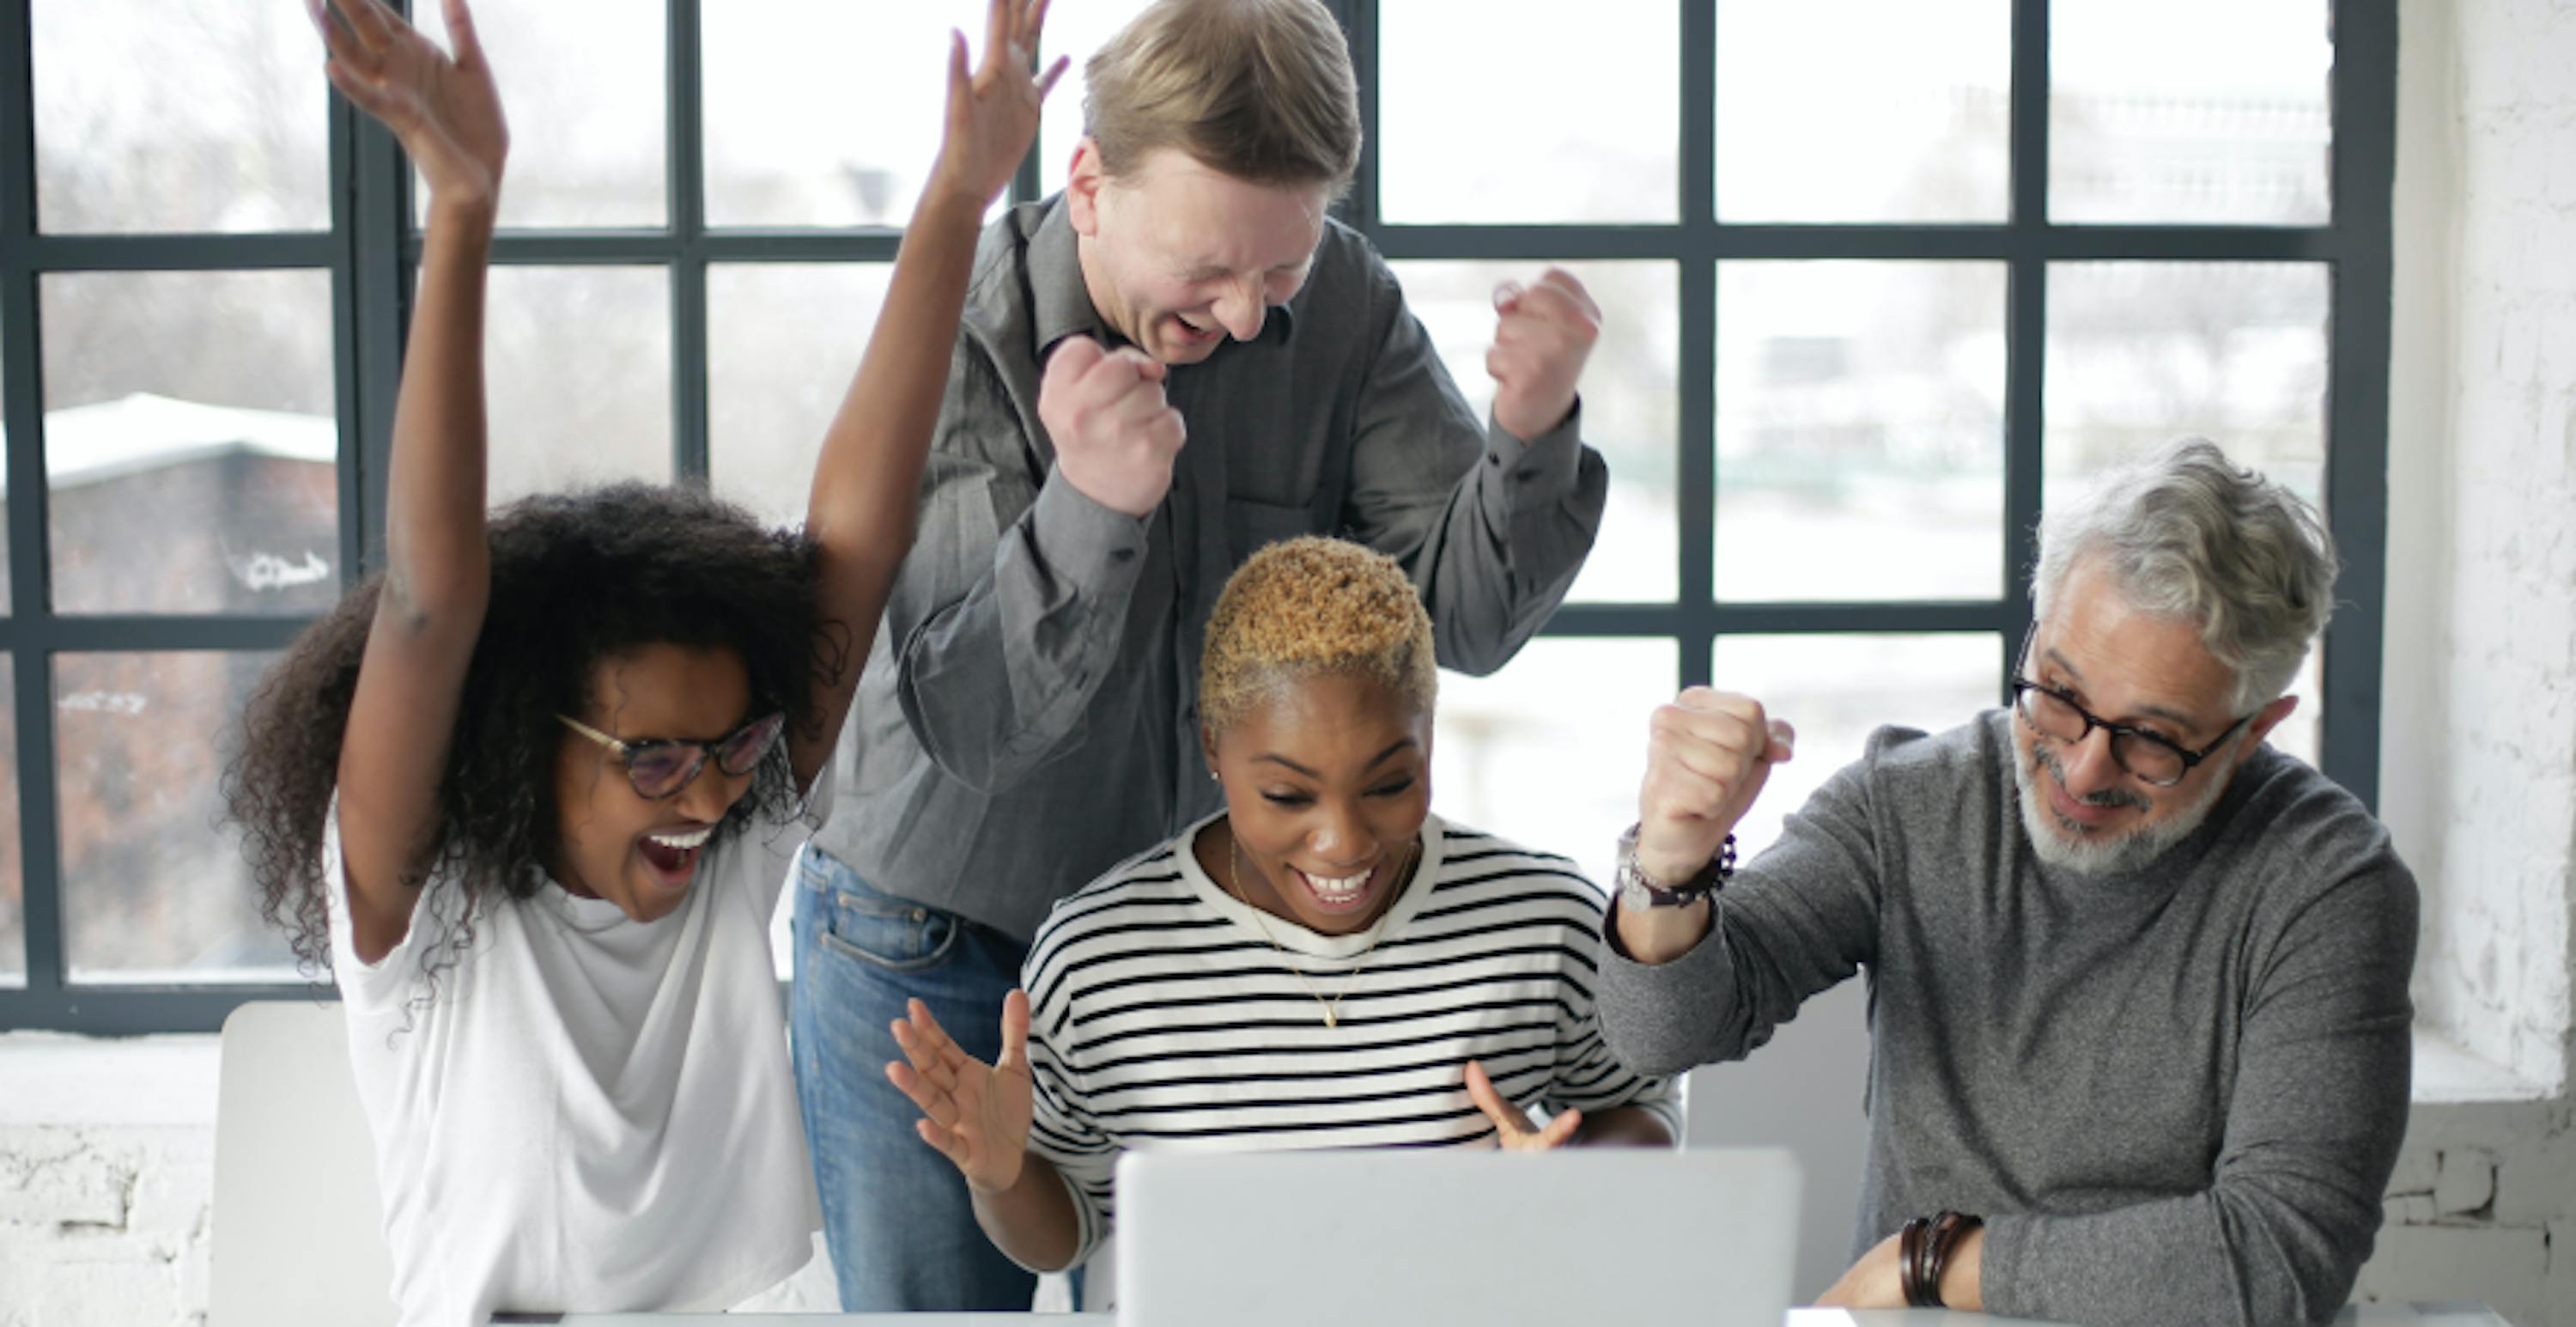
(2138,1005)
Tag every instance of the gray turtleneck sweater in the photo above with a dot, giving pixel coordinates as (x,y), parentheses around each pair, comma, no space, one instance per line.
(2175,1095)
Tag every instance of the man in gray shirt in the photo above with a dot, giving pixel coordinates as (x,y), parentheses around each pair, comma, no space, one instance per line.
(2137,980)
(1176,361)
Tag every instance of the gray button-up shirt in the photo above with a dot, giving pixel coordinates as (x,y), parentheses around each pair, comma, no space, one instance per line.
(1029,714)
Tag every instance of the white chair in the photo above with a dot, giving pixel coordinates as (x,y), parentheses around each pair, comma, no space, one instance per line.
(298,1228)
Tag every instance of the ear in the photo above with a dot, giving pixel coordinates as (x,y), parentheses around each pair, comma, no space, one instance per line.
(1207,748)
(2263,722)
(1083,182)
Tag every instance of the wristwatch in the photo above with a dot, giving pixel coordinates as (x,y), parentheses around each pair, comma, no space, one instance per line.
(1638,891)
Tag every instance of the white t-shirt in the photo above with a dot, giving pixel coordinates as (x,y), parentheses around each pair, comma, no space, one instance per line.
(585,1112)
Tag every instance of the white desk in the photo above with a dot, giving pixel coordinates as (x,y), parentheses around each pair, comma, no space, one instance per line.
(2386,1315)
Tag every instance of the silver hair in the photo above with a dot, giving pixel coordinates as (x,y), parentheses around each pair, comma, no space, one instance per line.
(2190,534)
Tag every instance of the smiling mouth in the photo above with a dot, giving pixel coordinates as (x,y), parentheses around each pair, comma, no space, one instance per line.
(1193,330)
(2081,815)
(1336,893)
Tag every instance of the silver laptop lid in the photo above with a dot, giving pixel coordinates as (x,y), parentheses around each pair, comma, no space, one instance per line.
(1357,1238)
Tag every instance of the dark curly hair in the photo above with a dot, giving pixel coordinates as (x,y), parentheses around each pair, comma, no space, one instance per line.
(577,578)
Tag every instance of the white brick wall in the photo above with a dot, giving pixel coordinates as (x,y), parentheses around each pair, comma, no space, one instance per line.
(106,1174)
(2479,721)
(2495,968)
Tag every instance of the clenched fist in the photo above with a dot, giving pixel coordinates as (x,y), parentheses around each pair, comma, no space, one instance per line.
(1541,337)
(1115,435)
(1708,757)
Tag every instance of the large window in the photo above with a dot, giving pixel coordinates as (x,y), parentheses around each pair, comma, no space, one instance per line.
(1878,277)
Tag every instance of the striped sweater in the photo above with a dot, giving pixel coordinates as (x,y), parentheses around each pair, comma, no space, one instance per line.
(1164,1018)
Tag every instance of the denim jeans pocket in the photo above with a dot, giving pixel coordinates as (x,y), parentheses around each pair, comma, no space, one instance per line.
(879,929)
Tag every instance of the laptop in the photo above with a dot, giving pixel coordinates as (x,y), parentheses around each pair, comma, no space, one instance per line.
(1362,1238)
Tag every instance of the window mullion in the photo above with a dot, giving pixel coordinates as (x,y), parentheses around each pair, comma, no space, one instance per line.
(2363,180)
(2025,319)
(1695,469)
(23,369)
(686,188)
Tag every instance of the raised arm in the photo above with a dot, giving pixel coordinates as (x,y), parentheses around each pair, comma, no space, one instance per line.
(869,474)
(1492,523)
(447,116)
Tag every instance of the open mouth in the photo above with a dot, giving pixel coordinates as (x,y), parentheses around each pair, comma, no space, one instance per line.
(1194,333)
(674,856)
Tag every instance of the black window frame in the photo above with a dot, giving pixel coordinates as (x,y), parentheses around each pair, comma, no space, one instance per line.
(371,247)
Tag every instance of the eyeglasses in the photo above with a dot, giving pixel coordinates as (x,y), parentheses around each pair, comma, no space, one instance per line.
(2153,760)
(660,767)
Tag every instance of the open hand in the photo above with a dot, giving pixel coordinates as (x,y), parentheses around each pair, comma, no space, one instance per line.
(1542,335)
(993,113)
(1115,435)
(1708,757)
(976,1114)
(445,111)
(1512,1128)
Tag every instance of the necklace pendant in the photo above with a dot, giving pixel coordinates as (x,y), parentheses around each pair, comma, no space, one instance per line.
(1331,1019)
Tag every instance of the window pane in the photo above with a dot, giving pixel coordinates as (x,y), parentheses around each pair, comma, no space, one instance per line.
(1631,399)
(783,340)
(1838,689)
(1911,124)
(1561,120)
(837,127)
(1548,752)
(2153,117)
(152,890)
(1077,30)
(151,116)
(579,370)
(2298,735)
(1859,430)
(190,442)
(13,876)
(583,81)
(2142,353)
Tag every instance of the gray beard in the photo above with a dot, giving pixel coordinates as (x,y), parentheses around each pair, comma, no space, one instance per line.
(2067,847)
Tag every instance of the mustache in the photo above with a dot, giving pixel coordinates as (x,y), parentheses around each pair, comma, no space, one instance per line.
(2107,797)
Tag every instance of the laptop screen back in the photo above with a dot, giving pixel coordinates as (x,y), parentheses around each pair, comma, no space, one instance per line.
(1358,1238)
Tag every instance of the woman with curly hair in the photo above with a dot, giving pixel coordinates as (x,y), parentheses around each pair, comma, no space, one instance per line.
(1324,963)
(526,791)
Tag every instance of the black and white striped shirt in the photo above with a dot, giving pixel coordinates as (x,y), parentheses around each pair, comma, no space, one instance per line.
(1163,1018)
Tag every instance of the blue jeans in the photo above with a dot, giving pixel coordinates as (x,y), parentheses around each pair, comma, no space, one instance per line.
(896,1214)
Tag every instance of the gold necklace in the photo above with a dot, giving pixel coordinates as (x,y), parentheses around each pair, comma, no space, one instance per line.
(1332,1007)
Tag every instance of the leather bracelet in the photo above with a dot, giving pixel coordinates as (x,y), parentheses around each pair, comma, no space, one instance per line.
(1933,1246)
(1911,1244)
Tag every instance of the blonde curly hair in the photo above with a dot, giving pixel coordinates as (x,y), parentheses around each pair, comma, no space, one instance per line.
(1312,606)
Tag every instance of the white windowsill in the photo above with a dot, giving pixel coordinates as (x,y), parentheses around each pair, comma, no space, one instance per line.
(2449,1074)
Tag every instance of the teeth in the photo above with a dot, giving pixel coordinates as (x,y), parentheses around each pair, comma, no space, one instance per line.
(1331,887)
(683,842)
